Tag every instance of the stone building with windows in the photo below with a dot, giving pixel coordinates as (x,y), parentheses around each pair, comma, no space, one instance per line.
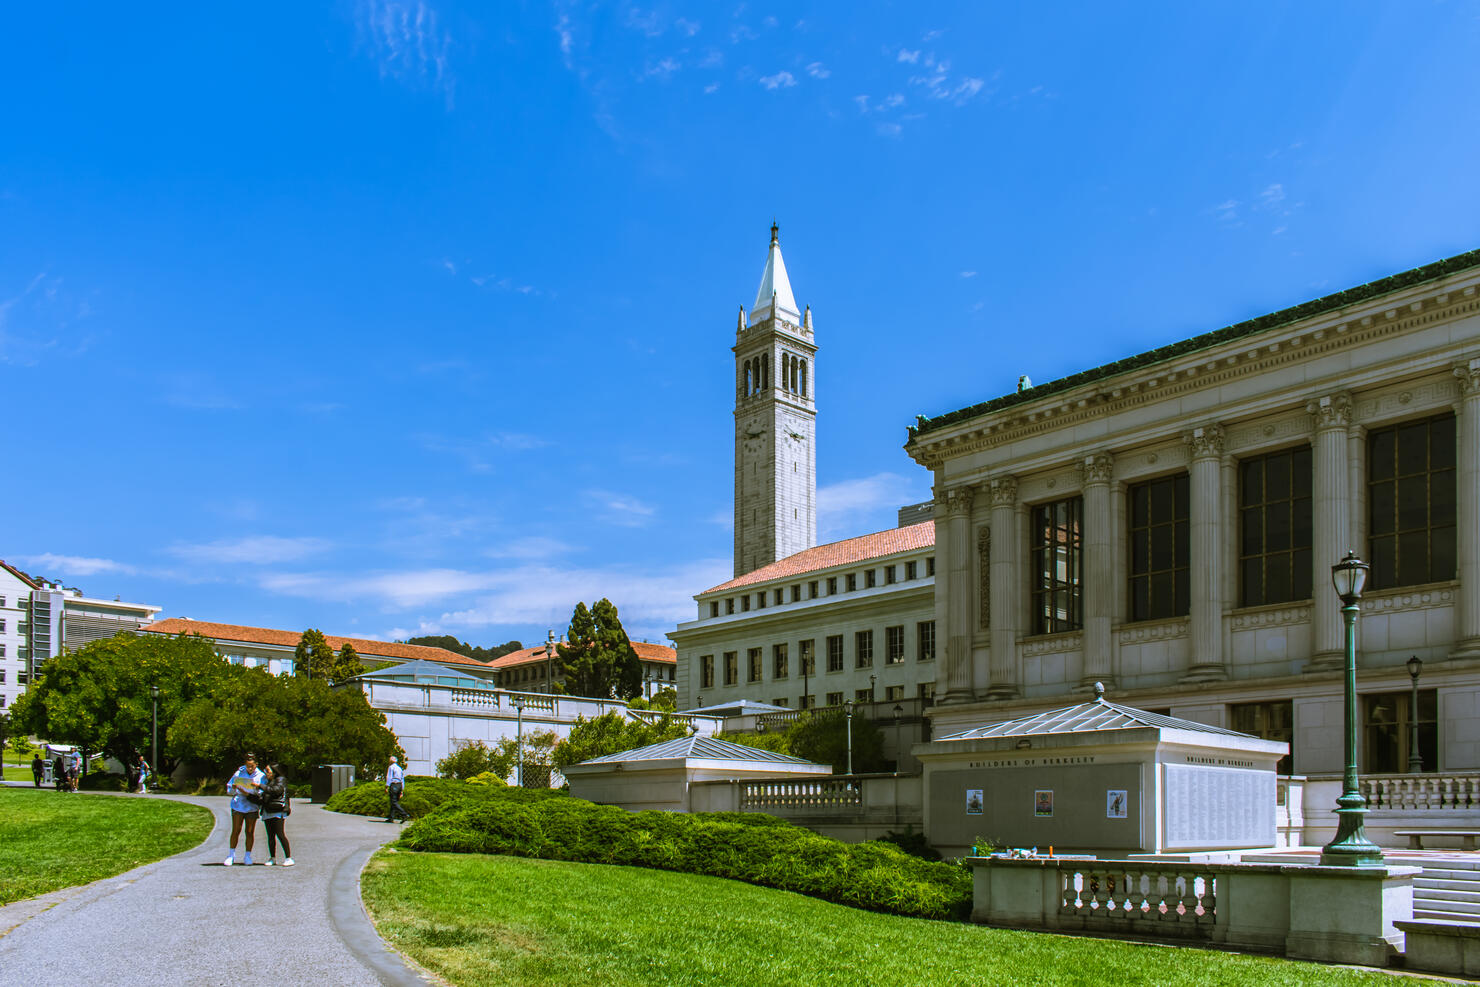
(1166,524)
(803,624)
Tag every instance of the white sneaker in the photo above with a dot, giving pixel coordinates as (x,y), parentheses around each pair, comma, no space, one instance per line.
(288,862)
(248,861)
(270,862)
(229,861)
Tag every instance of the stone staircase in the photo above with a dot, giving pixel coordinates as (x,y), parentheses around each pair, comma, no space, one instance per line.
(1451,895)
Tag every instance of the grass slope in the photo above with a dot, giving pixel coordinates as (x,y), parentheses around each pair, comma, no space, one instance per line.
(477,920)
(51,840)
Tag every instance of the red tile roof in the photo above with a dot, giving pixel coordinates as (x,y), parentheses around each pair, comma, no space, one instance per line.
(645,651)
(846,552)
(265,635)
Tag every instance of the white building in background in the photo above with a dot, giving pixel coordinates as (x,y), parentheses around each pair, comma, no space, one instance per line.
(537,669)
(1167,524)
(40,619)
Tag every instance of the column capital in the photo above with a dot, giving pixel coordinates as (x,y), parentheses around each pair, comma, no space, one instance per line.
(1003,491)
(954,501)
(1330,410)
(1097,467)
(1468,375)
(1206,441)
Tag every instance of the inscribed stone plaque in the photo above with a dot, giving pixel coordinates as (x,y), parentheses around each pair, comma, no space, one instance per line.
(1209,807)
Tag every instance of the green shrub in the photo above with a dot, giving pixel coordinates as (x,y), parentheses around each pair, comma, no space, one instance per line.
(755,848)
(97,781)
(422,794)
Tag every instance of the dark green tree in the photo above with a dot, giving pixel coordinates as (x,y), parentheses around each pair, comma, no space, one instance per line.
(474,757)
(613,732)
(98,698)
(347,665)
(823,737)
(313,656)
(664,700)
(597,658)
(297,721)
(450,643)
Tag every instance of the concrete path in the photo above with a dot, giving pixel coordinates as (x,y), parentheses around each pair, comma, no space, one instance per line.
(189,920)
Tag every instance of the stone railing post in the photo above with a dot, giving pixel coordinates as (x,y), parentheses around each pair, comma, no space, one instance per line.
(1006,576)
(1099,574)
(1467,520)
(1330,510)
(1205,621)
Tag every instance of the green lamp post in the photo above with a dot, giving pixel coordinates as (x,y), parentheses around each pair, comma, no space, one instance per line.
(1350,848)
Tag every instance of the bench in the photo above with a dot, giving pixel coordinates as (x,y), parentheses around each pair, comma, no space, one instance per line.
(1415,836)
(1441,946)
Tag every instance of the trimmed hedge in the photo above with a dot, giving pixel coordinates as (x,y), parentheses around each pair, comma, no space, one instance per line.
(750,847)
(422,794)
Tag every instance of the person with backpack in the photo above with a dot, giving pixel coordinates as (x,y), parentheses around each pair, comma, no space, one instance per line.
(276,807)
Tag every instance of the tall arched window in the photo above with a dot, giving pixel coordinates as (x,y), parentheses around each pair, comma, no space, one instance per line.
(765,371)
(795,363)
(803,391)
(749,380)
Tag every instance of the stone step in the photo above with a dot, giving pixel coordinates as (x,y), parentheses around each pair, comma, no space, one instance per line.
(1443,915)
(1436,884)
(1457,897)
(1446,874)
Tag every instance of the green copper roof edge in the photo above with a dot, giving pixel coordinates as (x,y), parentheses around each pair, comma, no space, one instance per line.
(1274,320)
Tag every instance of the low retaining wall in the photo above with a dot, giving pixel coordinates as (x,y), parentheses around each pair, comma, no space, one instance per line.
(1332,914)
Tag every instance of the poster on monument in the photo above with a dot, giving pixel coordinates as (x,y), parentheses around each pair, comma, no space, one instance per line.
(1043,802)
(1115,803)
(973,801)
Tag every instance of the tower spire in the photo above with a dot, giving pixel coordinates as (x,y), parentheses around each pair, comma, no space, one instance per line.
(774,298)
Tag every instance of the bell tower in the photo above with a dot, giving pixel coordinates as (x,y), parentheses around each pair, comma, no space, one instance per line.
(775,423)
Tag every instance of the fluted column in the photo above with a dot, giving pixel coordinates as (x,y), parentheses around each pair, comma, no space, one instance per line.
(1331,416)
(1099,573)
(1205,582)
(955,564)
(1007,577)
(1467,520)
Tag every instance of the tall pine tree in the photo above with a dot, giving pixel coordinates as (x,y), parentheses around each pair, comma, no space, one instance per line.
(597,659)
(347,665)
(313,656)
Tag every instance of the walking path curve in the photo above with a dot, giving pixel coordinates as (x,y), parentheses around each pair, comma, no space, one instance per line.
(189,920)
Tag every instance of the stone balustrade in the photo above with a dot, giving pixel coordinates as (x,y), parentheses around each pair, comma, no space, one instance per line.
(829,795)
(1422,792)
(1157,899)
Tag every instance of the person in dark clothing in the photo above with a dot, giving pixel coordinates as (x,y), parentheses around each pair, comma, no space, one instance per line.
(37,769)
(59,773)
(276,806)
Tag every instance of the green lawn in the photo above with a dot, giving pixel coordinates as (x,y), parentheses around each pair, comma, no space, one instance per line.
(478,919)
(51,840)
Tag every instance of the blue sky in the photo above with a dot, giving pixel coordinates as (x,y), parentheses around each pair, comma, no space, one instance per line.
(398,317)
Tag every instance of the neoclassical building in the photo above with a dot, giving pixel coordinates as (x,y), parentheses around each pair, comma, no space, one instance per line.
(1166,524)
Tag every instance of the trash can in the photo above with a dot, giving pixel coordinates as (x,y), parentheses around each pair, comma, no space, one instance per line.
(330,778)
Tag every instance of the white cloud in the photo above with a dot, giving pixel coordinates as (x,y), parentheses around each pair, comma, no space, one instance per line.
(862,101)
(851,507)
(250,550)
(888,129)
(968,274)
(781,80)
(911,57)
(818,71)
(712,88)
(408,43)
(532,547)
(891,101)
(649,23)
(399,590)
(620,509)
(477,452)
(1272,196)
(76,565)
(687,26)
(661,69)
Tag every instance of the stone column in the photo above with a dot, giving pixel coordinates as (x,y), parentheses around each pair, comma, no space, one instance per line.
(1205,488)
(954,564)
(1331,416)
(1099,574)
(1467,520)
(1007,577)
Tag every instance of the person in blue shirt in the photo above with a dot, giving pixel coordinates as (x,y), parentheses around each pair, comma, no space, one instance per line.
(243,809)
(395,780)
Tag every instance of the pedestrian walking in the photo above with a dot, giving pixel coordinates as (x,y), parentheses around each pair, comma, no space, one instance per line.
(395,781)
(59,773)
(38,768)
(142,769)
(276,807)
(243,810)
(74,771)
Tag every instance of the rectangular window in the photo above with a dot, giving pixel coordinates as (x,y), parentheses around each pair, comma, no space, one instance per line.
(863,649)
(835,699)
(779,661)
(1058,560)
(930,565)
(808,655)
(745,603)
(760,600)
(2,676)
(781,701)
(869,578)
(1274,517)
(909,571)
(1268,721)
(2,601)
(863,695)
(753,665)
(1387,731)
(894,645)
(2,650)
(889,576)
(1159,543)
(852,581)
(925,631)
(714,608)
(835,653)
(776,597)
(812,590)
(832,585)
(796,593)
(926,692)
(893,693)
(1411,506)
(732,667)
(807,702)
(730,605)
(2,625)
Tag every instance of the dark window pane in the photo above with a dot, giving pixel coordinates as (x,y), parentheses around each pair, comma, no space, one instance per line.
(1413,502)
(1300,574)
(1300,472)
(1251,524)
(1161,501)
(1277,477)
(1184,542)
(1161,547)
(1441,442)
(1380,456)
(1140,505)
(1383,516)
(1413,557)
(1277,527)
(1441,547)
(1179,483)
(1161,594)
(1184,596)
(1251,580)
(1300,524)
(1441,497)
(1413,449)
(1251,482)
(1384,561)
(1277,578)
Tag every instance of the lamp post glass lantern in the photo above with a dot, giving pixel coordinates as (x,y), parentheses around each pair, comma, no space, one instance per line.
(1350,848)
(1415,758)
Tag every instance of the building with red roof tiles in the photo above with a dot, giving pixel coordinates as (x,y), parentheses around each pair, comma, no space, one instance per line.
(534,669)
(274,649)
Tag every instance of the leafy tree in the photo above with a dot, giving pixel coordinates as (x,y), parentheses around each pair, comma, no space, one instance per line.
(347,665)
(664,700)
(473,757)
(98,698)
(313,656)
(823,737)
(773,741)
(450,643)
(539,747)
(597,658)
(4,739)
(613,732)
(298,721)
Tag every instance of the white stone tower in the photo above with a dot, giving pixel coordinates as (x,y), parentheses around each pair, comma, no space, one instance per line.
(775,423)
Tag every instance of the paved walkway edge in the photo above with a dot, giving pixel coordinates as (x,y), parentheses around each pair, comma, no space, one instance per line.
(352,923)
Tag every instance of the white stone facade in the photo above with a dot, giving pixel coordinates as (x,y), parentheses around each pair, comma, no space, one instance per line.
(1324,383)
(15,593)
